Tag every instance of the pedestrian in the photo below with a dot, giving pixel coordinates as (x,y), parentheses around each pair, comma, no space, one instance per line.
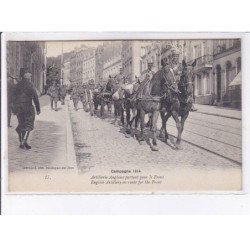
(63,93)
(23,95)
(54,93)
(81,90)
(75,96)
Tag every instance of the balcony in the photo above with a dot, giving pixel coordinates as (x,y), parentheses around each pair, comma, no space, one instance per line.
(204,63)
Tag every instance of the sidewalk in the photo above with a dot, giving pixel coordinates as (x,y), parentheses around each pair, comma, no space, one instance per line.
(52,146)
(218,111)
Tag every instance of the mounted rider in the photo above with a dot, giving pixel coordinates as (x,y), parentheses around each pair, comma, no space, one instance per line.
(145,80)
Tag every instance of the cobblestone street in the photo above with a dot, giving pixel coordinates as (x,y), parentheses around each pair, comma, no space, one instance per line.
(211,151)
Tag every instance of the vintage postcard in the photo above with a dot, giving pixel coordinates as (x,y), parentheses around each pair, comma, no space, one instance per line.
(122,115)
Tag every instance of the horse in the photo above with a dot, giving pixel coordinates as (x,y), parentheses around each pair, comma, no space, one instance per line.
(125,97)
(180,105)
(102,97)
(149,100)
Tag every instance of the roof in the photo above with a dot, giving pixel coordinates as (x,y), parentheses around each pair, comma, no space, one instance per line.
(236,80)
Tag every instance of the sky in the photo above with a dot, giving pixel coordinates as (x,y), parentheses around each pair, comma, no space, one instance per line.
(55,48)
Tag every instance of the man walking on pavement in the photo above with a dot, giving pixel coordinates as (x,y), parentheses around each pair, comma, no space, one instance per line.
(23,95)
(54,93)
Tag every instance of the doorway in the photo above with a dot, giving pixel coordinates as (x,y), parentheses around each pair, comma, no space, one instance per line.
(218,80)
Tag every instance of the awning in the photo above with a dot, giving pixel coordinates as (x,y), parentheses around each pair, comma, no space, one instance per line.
(236,80)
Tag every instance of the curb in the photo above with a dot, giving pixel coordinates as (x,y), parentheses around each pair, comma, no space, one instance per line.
(225,116)
(71,154)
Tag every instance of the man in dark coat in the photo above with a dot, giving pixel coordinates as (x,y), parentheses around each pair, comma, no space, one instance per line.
(23,95)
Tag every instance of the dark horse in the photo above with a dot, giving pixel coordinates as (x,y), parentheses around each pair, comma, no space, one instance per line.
(179,104)
(149,101)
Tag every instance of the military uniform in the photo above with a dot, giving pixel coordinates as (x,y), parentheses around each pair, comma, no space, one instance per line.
(81,89)
(54,93)
(75,96)
(63,93)
(23,95)
(120,78)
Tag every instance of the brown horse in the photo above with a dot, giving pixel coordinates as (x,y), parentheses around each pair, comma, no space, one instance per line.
(179,104)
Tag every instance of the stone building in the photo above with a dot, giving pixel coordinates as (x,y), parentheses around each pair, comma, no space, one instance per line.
(82,65)
(88,65)
(31,55)
(131,59)
(202,52)
(111,59)
(66,72)
(226,66)
(150,52)
(99,64)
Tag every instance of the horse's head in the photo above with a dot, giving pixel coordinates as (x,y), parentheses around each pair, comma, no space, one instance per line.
(187,78)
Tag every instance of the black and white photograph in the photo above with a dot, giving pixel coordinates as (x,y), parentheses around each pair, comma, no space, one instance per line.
(124,116)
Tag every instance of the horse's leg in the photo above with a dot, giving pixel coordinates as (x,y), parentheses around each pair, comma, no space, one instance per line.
(122,114)
(167,140)
(183,119)
(175,115)
(55,105)
(102,109)
(137,117)
(127,108)
(154,119)
(51,104)
(163,125)
(142,117)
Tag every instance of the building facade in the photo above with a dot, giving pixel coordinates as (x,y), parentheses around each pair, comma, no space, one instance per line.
(131,59)
(66,72)
(31,55)
(202,52)
(88,66)
(82,65)
(99,64)
(226,66)
(112,66)
(150,53)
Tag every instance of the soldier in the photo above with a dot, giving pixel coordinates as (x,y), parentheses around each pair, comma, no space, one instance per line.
(75,96)
(175,66)
(109,85)
(81,90)
(145,79)
(23,94)
(120,77)
(63,93)
(54,93)
(89,97)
